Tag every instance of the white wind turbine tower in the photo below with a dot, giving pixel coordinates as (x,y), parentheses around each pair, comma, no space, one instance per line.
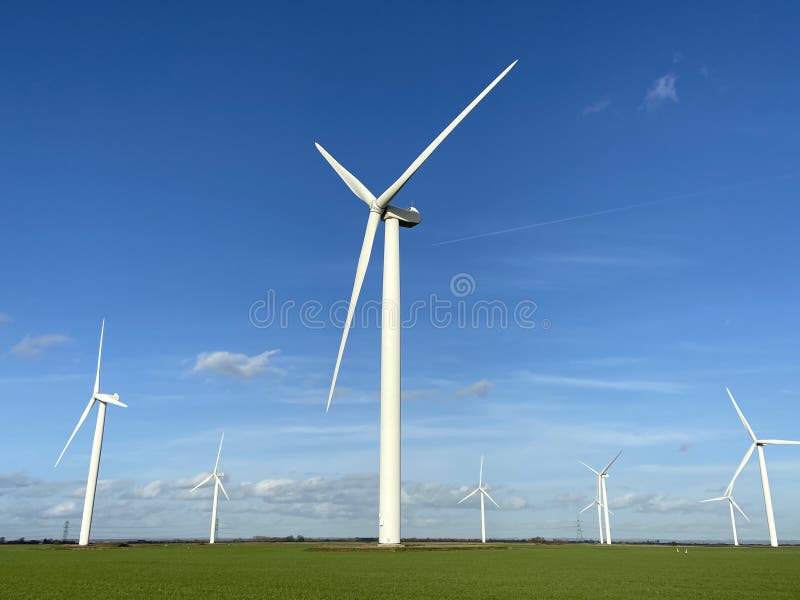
(731,505)
(217,486)
(757,443)
(482,489)
(394,218)
(97,445)
(601,484)
(599,505)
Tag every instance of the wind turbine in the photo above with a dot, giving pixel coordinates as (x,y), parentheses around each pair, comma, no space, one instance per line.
(601,484)
(731,505)
(483,493)
(599,510)
(380,209)
(757,443)
(97,445)
(217,486)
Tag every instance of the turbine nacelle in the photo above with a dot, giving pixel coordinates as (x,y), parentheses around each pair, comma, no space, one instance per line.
(408,217)
(110,399)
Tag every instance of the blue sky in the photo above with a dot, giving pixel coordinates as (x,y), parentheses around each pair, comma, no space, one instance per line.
(158,169)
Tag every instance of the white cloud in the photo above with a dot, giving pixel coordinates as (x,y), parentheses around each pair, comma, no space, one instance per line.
(419,394)
(597,106)
(237,365)
(479,388)
(5,317)
(658,503)
(662,90)
(34,345)
(631,385)
(63,509)
(608,361)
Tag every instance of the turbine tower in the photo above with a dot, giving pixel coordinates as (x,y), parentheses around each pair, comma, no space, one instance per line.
(731,505)
(217,486)
(603,496)
(394,218)
(482,489)
(758,443)
(97,445)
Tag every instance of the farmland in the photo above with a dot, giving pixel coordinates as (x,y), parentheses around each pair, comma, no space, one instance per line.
(312,571)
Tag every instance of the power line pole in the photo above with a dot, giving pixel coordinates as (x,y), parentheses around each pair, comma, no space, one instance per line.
(65,537)
(579,531)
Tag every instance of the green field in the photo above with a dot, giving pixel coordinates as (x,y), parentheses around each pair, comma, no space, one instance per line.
(341,571)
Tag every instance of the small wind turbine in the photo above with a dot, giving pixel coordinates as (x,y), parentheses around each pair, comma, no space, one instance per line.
(380,209)
(731,505)
(599,510)
(97,445)
(482,489)
(217,486)
(757,443)
(603,500)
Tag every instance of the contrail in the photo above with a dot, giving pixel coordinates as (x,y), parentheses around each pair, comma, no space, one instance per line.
(543,223)
(617,209)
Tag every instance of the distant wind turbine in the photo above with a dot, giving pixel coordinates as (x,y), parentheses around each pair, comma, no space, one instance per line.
(482,490)
(758,443)
(731,505)
(380,209)
(97,445)
(599,505)
(603,501)
(217,486)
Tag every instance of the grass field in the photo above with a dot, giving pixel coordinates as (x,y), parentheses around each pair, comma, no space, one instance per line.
(318,571)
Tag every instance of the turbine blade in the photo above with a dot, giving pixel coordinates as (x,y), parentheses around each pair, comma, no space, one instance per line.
(480,478)
(588,467)
(780,442)
(74,431)
(470,495)
(202,483)
(390,193)
(216,464)
(716,499)
(613,460)
(737,507)
(485,493)
(741,416)
(361,270)
(222,487)
(747,456)
(358,188)
(591,505)
(99,355)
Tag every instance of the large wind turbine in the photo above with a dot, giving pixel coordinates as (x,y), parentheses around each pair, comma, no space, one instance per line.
(757,443)
(601,483)
(731,505)
(482,490)
(394,218)
(97,445)
(217,486)
(599,505)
